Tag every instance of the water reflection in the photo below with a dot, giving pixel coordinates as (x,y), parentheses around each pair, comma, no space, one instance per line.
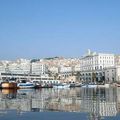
(98,103)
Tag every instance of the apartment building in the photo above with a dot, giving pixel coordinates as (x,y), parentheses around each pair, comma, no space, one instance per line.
(38,68)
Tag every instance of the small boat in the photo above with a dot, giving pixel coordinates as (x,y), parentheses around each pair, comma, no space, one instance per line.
(42,85)
(9,85)
(78,84)
(75,84)
(61,85)
(89,86)
(26,85)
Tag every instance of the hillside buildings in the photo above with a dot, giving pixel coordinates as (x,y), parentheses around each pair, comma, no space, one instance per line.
(92,67)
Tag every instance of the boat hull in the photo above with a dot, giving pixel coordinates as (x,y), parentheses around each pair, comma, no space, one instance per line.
(7,85)
(89,86)
(25,85)
(61,86)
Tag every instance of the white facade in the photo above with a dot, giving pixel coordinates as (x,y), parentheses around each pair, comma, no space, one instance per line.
(94,61)
(2,68)
(76,68)
(110,74)
(53,69)
(38,68)
(93,65)
(65,69)
(118,73)
(117,60)
(18,67)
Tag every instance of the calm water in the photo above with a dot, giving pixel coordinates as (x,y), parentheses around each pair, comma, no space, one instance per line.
(60,104)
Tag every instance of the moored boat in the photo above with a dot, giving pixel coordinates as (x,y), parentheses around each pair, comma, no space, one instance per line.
(9,85)
(89,86)
(26,85)
(75,84)
(61,85)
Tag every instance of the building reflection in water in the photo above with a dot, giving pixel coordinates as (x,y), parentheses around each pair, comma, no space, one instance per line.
(98,102)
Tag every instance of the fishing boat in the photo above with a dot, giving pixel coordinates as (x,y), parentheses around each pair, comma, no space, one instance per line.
(61,85)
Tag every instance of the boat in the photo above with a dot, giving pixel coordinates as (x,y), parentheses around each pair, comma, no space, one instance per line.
(78,84)
(8,85)
(75,84)
(89,86)
(61,85)
(26,85)
(38,85)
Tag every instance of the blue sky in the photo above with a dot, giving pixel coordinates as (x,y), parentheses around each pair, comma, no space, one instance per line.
(46,28)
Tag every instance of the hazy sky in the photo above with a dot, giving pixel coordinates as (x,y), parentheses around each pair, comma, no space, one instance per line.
(45,28)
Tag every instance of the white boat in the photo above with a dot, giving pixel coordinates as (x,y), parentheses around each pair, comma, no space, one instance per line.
(89,86)
(26,85)
(61,85)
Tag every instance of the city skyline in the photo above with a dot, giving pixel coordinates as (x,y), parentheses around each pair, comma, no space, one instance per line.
(39,29)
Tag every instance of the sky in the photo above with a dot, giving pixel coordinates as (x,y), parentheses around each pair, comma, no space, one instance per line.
(48,28)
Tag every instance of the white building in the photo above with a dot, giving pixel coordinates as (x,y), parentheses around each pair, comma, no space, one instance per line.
(110,74)
(77,68)
(20,66)
(65,69)
(53,69)
(117,60)
(65,72)
(2,68)
(96,61)
(38,68)
(93,64)
(118,73)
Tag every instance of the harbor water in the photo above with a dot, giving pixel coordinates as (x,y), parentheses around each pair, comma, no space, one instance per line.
(60,104)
